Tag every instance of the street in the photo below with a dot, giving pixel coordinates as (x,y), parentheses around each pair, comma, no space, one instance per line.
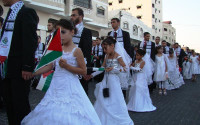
(179,107)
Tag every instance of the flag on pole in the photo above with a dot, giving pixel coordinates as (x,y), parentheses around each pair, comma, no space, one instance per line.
(54,51)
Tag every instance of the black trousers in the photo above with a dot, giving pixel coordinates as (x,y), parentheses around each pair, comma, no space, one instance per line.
(16,95)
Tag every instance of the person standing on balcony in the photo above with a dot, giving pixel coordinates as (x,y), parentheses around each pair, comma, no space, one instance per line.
(123,38)
(51,27)
(83,39)
(18,43)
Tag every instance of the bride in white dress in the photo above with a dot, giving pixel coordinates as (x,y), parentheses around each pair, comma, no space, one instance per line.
(65,102)
(110,104)
(139,98)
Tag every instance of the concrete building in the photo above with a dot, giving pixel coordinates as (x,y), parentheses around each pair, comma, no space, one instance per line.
(169,32)
(96,13)
(148,11)
(131,24)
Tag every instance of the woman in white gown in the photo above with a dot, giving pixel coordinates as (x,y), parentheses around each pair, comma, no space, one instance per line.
(175,78)
(65,102)
(195,65)
(139,98)
(110,104)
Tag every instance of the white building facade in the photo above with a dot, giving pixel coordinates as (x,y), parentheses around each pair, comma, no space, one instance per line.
(96,13)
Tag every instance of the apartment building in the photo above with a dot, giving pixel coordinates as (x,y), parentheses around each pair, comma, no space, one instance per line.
(169,32)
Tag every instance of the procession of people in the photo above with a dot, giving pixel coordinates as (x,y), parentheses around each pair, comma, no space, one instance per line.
(130,75)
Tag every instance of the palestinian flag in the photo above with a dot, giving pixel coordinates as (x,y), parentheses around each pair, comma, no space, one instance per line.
(54,51)
(45,81)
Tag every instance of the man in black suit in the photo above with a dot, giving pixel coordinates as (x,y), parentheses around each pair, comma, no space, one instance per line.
(149,47)
(180,53)
(83,39)
(122,37)
(19,29)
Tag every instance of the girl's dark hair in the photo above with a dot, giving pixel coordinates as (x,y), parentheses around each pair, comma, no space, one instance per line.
(109,40)
(141,52)
(171,51)
(67,25)
(157,48)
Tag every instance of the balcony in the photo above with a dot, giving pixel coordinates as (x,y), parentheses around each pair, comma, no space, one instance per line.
(49,6)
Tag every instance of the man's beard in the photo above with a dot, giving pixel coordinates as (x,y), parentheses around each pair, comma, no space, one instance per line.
(76,21)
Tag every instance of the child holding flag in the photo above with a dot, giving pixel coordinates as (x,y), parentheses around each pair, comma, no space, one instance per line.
(65,102)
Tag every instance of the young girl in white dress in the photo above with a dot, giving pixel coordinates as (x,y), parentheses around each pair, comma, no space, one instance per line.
(195,65)
(139,98)
(175,78)
(187,74)
(110,104)
(65,102)
(161,70)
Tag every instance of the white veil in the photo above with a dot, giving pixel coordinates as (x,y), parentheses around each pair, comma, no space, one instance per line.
(124,77)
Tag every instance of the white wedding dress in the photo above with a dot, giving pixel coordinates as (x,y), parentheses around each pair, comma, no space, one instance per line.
(175,78)
(111,110)
(65,102)
(139,98)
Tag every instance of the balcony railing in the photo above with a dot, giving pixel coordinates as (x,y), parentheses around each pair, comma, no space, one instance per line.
(55,3)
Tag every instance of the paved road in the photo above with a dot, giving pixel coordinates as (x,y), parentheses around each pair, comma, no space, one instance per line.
(179,107)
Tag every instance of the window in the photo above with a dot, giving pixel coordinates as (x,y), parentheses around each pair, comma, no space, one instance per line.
(155,10)
(83,3)
(169,31)
(153,37)
(153,5)
(159,30)
(120,1)
(159,2)
(101,11)
(110,3)
(159,21)
(153,16)
(156,30)
(139,16)
(165,29)
(135,30)
(155,1)
(159,11)
(125,25)
(139,6)
(156,20)
(153,26)
(166,37)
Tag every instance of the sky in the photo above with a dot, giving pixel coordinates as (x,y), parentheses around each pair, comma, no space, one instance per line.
(185,17)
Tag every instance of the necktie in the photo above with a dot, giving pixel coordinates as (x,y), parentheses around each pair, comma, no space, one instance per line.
(164,50)
(94,50)
(145,44)
(4,25)
(115,35)
(97,50)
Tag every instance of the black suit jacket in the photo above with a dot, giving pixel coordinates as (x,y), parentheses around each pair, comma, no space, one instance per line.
(181,58)
(86,45)
(153,50)
(24,43)
(127,42)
